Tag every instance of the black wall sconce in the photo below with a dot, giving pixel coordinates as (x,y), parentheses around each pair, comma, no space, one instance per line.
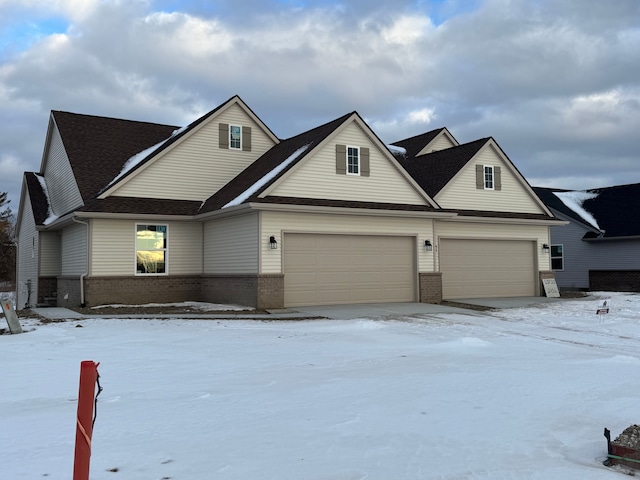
(545,247)
(427,246)
(273,243)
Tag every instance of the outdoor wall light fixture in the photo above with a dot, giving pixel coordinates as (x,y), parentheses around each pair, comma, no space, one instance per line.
(273,243)
(427,246)
(545,247)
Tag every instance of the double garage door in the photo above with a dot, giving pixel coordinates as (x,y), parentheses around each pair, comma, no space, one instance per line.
(487,268)
(339,269)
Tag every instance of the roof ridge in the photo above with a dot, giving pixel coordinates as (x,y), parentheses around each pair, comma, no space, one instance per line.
(111,118)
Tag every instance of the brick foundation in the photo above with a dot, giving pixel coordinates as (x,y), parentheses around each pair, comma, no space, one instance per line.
(68,292)
(259,291)
(430,287)
(142,289)
(614,280)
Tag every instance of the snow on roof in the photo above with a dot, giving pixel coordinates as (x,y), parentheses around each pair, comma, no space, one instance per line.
(396,150)
(267,178)
(51,217)
(140,156)
(574,201)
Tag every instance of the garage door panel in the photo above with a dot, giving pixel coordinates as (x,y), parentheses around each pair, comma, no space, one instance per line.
(487,268)
(336,269)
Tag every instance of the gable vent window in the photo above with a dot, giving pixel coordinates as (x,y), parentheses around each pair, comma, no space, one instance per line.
(488,177)
(234,137)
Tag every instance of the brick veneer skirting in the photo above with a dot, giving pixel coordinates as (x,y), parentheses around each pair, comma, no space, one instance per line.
(430,287)
(260,291)
(137,290)
(68,292)
(614,280)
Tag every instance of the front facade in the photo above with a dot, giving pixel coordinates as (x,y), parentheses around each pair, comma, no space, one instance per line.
(224,211)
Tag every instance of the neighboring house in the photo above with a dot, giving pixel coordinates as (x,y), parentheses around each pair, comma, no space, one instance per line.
(225,211)
(600,248)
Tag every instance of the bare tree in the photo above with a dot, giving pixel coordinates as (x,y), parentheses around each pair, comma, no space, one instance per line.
(7,242)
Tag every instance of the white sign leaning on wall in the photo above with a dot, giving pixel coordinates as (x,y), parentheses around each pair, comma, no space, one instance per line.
(550,287)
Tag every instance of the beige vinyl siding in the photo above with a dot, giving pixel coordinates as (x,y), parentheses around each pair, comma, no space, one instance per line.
(231,245)
(73,246)
(496,231)
(27,257)
(316,177)
(61,184)
(461,192)
(113,247)
(49,254)
(277,223)
(196,167)
(441,142)
(185,248)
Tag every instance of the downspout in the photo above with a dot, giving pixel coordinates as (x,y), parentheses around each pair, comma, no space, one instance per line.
(82,277)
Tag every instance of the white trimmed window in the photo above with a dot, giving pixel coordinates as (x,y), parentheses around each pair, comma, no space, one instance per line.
(557,257)
(353,161)
(151,249)
(235,137)
(488,177)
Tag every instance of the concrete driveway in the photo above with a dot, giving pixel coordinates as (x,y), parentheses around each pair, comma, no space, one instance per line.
(386,310)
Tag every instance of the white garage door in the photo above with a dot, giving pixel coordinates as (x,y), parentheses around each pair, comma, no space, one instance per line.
(487,268)
(339,269)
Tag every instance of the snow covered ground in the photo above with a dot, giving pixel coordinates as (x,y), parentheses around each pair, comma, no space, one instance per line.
(512,394)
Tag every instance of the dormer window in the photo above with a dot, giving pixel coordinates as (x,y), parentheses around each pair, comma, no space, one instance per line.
(235,137)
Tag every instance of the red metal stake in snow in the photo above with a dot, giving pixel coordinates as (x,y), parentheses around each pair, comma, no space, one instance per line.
(84,422)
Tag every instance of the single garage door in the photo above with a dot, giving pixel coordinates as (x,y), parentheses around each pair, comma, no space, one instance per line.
(487,268)
(338,269)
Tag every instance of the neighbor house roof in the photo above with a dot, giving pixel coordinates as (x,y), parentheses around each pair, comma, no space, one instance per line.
(615,209)
(434,170)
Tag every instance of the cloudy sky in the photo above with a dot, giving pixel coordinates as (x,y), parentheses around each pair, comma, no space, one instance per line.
(555,82)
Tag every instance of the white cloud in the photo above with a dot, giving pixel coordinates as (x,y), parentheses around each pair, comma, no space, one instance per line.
(407,30)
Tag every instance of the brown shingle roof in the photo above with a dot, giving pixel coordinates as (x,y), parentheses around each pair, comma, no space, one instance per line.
(142,206)
(413,145)
(38,198)
(98,147)
(434,170)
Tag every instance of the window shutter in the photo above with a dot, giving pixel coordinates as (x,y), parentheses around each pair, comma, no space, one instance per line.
(341,159)
(480,177)
(364,162)
(224,135)
(497,181)
(246,139)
